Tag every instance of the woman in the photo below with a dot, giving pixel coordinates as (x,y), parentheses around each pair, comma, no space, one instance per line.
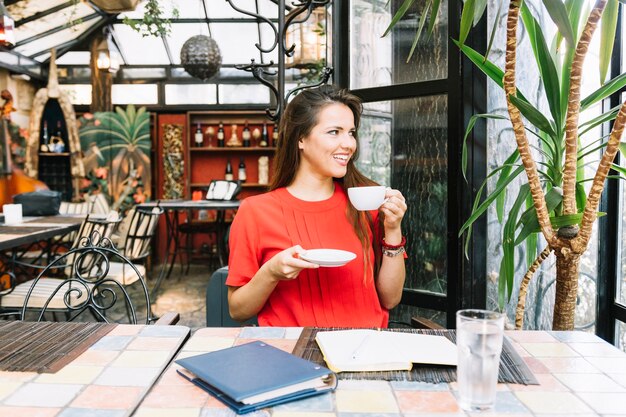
(307,208)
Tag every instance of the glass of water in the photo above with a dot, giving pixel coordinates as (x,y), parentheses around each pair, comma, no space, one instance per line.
(479,336)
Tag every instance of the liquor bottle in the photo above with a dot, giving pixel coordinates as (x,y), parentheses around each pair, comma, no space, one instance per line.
(229,171)
(241,175)
(275,135)
(265,138)
(220,135)
(60,145)
(210,132)
(198,136)
(45,138)
(246,135)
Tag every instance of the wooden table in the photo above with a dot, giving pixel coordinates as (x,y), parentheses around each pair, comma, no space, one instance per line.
(35,229)
(109,379)
(579,375)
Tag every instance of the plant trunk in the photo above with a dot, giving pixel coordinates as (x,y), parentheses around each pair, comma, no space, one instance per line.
(567,264)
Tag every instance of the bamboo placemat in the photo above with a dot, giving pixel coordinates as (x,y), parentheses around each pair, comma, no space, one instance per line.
(513,369)
(45,347)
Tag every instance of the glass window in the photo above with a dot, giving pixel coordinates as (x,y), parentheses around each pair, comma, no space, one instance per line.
(74,58)
(9,58)
(134,94)
(130,73)
(243,94)
(419,134)
(402,314)
(620,335)
(376,61)
(78,93)
(375,148)
(190,94)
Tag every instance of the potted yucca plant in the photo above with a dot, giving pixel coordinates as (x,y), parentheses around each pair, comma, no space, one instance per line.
(560,209)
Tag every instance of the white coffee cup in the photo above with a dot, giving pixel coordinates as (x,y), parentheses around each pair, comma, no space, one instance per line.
(12,214)
(367,198)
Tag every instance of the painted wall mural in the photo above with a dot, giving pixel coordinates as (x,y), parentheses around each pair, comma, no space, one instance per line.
(116,147)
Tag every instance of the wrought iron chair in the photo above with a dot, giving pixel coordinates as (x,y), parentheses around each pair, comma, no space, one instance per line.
(134,245)
(88,287)
(13,299)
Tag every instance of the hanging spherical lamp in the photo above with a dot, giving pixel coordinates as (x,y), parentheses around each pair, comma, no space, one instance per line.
(201,57)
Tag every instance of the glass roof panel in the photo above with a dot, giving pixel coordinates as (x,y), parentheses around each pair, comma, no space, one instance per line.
(221,9)
(74,58)
(237,49)
(51,21)
(190,9)
(55,39)
(267,40)
(166,6)
(27,8)
(179,35)
(140,50)
(268,9)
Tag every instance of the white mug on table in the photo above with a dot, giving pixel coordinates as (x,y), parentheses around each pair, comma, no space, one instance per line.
(12,214)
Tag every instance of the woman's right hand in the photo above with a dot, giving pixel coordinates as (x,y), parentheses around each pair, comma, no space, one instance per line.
(287,265)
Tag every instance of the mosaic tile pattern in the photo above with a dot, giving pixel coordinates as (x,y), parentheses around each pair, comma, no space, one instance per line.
(108,380)
(572,368)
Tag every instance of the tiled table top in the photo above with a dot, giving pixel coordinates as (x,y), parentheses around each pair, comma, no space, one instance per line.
(107,380)
(580,376)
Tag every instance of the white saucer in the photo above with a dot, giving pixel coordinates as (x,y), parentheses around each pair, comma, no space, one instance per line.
(328,257)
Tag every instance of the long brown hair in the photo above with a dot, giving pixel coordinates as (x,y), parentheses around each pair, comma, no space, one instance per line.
(297,122)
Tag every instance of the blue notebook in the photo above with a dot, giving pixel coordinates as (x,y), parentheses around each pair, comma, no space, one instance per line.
(256,375)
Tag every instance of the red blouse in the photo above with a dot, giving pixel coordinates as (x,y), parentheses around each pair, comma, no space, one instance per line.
(325,297)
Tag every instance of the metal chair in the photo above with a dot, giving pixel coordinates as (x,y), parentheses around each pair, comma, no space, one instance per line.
(135,245)
(44,290)
(217,314)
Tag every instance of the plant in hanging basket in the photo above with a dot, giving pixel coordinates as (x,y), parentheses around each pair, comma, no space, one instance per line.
(116,6)
(153,22)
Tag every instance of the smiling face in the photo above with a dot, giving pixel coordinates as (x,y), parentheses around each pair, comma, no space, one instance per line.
(325,152)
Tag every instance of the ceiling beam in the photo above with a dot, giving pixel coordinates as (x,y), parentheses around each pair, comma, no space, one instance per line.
(44,13)
(203,20)
(57,29)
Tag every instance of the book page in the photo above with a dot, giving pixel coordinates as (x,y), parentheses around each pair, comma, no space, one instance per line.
(371,350)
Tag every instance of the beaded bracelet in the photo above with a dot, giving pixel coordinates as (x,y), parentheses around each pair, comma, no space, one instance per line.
(385,245)
(394,252)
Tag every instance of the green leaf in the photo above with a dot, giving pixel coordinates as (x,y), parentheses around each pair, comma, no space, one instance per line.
(581,197)
(493,30)
(489,68)
(603,92)
(436,4)
(533,115)
(485,204)
(621,170)
(479,10)
(531,240)
(504,174)
(507,269)
(529,221)
(467,18)
(608,27)
(546,65)
(622,148)
(558,13)
(399,15)
(598,120)
(419,32)
(470,126)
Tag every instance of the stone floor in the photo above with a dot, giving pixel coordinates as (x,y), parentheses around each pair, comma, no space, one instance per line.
(184,294)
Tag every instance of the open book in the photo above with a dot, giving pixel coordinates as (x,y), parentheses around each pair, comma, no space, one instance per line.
(372,350)
(256,375)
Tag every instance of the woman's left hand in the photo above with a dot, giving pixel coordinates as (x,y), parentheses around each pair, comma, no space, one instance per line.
(394,209)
